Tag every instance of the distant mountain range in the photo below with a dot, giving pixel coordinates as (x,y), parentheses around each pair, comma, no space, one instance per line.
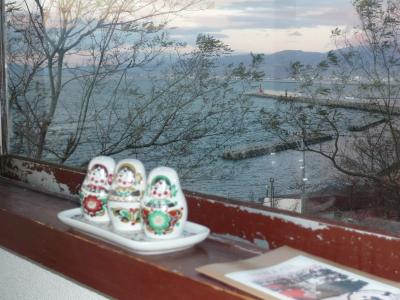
(276,65)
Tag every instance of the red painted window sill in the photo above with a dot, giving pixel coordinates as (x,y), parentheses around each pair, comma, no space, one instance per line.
(29,227)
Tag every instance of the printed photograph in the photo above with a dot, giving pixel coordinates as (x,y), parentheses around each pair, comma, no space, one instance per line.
(302,278)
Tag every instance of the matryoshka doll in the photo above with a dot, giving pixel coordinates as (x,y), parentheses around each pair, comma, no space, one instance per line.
(95,189)
(164,210)
(127,191)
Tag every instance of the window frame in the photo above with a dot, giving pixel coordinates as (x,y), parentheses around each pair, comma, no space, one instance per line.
(295,234)
(4,111)
(244,225)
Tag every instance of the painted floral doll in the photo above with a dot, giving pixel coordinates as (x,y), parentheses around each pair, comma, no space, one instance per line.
(164,210)
(126,194)
(95,189)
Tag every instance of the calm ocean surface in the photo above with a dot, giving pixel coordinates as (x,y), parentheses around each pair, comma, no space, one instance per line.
(243,179)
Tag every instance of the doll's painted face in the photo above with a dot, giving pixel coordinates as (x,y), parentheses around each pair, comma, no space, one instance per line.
(126,177)
(98,175)
(160,189)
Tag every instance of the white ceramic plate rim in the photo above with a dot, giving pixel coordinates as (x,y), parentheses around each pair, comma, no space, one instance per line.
(199,232)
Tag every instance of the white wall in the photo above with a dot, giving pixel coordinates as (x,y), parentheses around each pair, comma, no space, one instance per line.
(21,279)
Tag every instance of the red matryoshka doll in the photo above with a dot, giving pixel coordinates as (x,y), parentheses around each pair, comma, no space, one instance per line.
(95,189)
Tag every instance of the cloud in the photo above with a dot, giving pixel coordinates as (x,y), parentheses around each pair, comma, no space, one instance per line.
(189,35)
(295,33)
(194,31)
(234,21)
(280,4)
(274,14)
(218,35)
(312,39)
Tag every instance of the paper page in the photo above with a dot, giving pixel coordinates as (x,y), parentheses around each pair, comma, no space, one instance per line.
(303,278)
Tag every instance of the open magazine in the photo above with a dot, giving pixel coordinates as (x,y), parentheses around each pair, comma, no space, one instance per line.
(304,278)
(289,274)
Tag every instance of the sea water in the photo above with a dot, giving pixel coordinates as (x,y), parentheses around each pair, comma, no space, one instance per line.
(246,179)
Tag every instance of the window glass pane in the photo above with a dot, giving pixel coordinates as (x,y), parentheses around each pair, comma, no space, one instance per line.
(247,99)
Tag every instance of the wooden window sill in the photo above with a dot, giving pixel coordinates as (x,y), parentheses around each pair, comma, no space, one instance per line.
(29,227)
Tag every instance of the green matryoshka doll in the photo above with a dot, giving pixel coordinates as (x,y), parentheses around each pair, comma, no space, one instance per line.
(164,209)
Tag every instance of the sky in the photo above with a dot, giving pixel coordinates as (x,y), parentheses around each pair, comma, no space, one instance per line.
(267,26)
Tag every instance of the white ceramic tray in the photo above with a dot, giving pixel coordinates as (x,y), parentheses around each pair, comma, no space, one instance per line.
(137,242)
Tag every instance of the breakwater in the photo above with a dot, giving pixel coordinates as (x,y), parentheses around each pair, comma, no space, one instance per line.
(259,150)
(356,104)
(366,126)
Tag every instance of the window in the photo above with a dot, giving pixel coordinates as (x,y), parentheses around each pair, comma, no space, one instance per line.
(3,96)
(290,104)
